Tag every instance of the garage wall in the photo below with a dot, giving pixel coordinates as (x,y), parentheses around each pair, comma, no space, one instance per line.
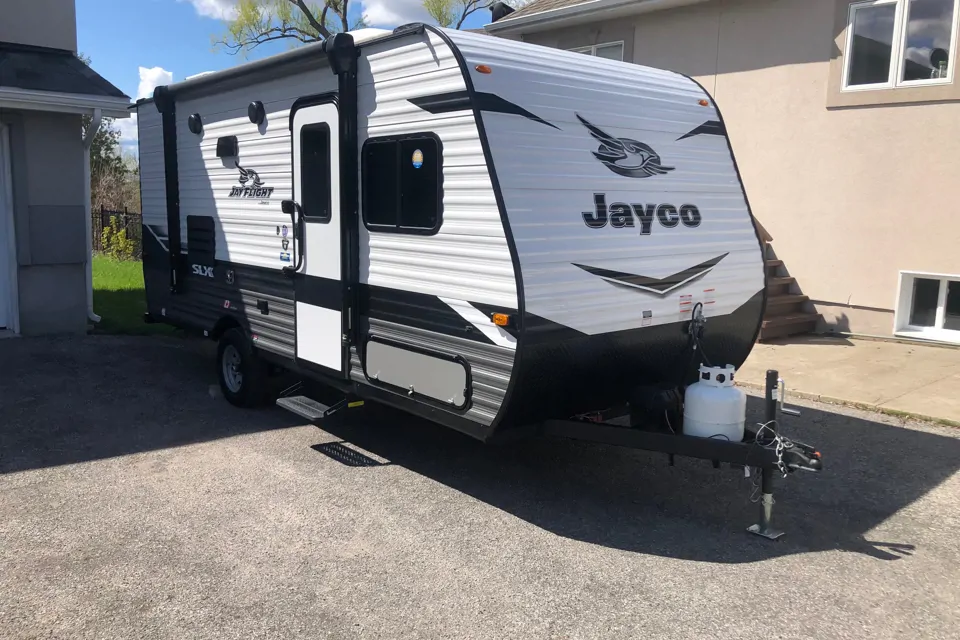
(850,195)
(41,23)
(49,220)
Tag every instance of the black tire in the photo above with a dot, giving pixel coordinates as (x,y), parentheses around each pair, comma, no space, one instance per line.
(243,379)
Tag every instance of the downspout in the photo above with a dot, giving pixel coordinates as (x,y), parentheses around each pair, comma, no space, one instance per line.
(87,143)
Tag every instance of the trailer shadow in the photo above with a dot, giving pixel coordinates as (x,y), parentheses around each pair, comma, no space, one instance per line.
(635,501)
(75,399)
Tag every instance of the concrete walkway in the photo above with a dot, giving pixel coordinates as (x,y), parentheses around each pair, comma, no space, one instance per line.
(917,379)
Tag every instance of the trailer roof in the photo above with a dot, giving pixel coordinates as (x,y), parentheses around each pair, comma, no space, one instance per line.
(245,70)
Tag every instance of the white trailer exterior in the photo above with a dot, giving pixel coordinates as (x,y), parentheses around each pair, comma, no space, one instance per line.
(440,178)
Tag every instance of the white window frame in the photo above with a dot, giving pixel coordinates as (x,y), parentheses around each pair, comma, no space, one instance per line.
(592,49)
(901,315)
(897,61)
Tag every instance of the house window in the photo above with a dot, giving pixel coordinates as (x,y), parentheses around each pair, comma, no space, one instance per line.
(609,50)
(900,43)
(928,306)
(403,184)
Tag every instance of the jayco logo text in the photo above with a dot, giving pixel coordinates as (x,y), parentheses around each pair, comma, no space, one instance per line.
(620,215)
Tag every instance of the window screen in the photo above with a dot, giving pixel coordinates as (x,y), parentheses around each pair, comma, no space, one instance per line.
(402,184)
(315,172)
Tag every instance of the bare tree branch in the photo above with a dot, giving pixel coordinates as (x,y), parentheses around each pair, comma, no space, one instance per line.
(308,14)
(469,7)
(275,33)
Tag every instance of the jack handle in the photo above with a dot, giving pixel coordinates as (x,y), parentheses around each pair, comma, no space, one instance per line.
(782,397)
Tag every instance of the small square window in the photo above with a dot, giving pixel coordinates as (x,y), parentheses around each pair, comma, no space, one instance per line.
(893,43)
(609,50)
(402,184)
(928,306)
(926,50)
(871,46)
(923,311)
(951,313)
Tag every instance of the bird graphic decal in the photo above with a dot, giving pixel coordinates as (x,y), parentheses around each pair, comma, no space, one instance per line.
(624,156)
(251,176)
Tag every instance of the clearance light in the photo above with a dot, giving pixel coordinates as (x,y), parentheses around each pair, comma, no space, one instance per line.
(704,103)
(501,319)
(482,68)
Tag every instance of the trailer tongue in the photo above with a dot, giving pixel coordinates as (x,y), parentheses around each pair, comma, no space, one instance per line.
(763,449)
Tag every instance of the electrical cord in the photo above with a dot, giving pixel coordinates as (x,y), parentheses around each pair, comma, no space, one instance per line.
(697,322)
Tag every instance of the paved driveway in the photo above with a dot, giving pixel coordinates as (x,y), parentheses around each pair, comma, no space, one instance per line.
(134,504)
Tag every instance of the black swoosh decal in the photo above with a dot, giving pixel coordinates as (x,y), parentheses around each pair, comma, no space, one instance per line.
(660,286)
(709,128)
(460,101)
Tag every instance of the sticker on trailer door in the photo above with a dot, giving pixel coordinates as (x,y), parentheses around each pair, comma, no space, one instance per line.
(709,296)
(647,319)
(417,159)
(284,257)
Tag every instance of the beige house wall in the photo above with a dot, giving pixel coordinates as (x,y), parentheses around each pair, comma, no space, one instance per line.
(851,195)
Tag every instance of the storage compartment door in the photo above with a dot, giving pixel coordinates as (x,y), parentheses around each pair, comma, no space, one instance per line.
(418,373)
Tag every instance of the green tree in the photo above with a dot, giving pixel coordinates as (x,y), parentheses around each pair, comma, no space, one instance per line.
(114,177)
(296,21)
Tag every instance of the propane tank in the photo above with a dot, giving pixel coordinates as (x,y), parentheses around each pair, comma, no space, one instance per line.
(713,407)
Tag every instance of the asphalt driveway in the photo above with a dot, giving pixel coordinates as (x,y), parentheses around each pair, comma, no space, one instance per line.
(135,503)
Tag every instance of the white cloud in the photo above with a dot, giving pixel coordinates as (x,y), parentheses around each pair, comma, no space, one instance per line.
(216,9)
(393,13)
(150,79)
(128,129)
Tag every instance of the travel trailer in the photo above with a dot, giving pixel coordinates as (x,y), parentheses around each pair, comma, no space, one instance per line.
(492,235)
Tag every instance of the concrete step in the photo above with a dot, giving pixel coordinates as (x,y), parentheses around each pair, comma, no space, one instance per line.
(785,304)
(788,325)
(779,285)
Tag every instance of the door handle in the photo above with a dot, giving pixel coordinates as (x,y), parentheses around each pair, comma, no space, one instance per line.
(295,211)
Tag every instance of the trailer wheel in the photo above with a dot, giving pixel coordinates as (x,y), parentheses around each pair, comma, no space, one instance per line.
(242,374)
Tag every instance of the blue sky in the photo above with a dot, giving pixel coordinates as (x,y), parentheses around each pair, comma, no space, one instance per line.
(137,44)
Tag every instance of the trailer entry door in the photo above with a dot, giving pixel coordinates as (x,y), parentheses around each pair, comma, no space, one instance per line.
(318,285)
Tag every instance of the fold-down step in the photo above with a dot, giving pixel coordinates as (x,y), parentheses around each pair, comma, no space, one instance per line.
(304,407)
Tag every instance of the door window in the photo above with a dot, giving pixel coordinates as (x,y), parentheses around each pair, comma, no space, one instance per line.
(315,172)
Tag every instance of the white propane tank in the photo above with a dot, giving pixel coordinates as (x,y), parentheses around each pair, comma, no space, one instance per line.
(713,407)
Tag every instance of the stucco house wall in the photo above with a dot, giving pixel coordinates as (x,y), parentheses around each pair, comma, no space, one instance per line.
(850,194)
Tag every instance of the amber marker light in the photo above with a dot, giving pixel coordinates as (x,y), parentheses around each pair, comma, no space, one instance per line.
(501,319)
(482,68)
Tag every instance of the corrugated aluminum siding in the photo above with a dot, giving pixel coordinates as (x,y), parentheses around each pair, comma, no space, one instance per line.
(468,259)
(246,228)
(549,176)
(153,194)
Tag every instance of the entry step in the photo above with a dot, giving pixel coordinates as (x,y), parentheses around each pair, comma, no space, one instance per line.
(304,407)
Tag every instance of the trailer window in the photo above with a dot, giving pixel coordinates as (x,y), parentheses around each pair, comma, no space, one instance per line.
(402,184)
(315,172)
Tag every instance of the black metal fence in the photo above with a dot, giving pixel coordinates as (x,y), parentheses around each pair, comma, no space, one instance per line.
(124,237)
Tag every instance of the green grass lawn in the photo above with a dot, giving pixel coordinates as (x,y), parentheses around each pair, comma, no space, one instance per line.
(119,298)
